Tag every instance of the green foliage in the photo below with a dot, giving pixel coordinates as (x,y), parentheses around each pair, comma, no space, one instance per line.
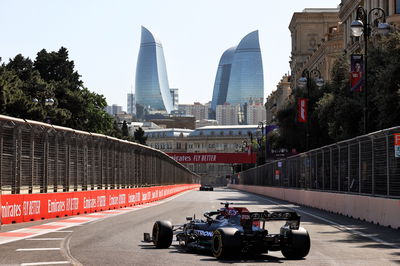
(125,131)
(25,85)
(139,136)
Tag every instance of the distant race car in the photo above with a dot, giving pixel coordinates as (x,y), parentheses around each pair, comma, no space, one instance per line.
(235,231)
(206,188)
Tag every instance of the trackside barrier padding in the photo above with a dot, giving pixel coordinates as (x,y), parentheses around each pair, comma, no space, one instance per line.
(382,211)
(31,207)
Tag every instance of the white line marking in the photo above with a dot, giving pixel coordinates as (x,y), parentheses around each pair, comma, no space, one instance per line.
(338,226)
(45,263)
(44,239)
(37,249)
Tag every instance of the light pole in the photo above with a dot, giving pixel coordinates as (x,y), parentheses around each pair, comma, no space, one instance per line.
(305,81)
(362,26)
(261,126)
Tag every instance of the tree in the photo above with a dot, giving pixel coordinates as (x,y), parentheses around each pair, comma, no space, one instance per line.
(125,131)
(139,136)
(25,86)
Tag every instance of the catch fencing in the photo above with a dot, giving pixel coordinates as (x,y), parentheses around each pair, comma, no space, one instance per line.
(40,158)
(365,165)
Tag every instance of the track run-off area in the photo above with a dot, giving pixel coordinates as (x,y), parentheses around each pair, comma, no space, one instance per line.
(115,237)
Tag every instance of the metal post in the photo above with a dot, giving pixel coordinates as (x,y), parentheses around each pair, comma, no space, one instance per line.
(373,167)
(339,188)
(359,166)
(387,167)
(331,167)
(323,170)
(348,167)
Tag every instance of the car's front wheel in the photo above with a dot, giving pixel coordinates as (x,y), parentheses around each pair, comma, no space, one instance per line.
(162,234)
(225,243)
(298,246)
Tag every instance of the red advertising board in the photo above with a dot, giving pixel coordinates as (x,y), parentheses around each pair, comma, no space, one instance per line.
(302,110)
(238,157)
(32,207)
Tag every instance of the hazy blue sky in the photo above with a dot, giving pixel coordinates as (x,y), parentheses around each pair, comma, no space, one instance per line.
(103,38)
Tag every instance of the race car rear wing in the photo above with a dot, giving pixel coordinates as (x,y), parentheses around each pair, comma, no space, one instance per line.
(292,218)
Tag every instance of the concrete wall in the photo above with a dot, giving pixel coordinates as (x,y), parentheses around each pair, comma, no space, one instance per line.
(380,211)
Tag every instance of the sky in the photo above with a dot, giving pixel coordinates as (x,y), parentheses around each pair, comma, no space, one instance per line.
(103,38)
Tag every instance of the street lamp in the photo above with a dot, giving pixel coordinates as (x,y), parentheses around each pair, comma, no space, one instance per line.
(305,81)
(261,126)
(363,26)
(48,102)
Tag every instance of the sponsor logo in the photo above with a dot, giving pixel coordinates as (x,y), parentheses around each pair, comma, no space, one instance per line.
(31,207)
(72,204)
(12,210)
(55,206)
(89,203)
(204,233)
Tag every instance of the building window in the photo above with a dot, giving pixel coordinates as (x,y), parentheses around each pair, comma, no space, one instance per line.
(397,6)
(221,133)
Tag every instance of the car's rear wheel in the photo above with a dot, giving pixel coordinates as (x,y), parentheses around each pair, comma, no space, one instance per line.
(298,246)
(225,243)
(162,234)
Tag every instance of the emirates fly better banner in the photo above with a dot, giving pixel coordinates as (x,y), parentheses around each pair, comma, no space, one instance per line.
(238,157)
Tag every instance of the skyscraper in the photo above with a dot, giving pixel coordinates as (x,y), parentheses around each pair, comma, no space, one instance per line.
(222,78)
(131,104)
(151,85)
(240,77)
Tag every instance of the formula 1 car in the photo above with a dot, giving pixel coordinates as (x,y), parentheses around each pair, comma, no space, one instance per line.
(233,231)
(206,188)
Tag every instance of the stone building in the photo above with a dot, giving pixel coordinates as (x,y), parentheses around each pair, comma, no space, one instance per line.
(209,139)
(309,29)
(348,13)
(278,99)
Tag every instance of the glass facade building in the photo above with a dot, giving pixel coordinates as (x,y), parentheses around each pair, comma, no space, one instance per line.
(240,77)
(222,78)
(246,83)
(151,85)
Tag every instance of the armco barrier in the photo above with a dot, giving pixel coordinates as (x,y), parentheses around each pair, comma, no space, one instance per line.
(382,211)
(18,208)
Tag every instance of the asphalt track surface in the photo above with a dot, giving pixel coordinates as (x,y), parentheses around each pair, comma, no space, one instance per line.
(117,240)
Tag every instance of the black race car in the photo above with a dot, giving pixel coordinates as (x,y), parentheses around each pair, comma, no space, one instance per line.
(206,188)
(231,231)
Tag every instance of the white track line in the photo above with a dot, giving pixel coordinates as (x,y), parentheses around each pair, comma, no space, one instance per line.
(44,239)
(336,225)
(45,263)
(36,249)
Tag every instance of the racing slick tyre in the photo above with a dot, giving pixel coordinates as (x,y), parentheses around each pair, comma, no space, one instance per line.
(162,234)
(298,246)
(225,243)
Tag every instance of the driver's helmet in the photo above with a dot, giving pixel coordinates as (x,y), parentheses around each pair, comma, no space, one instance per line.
(229,212)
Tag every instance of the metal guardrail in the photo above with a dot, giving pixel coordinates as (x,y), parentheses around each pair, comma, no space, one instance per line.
(363,165)
(38,158)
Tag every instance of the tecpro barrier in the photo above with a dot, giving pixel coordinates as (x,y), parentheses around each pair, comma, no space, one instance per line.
(18,208)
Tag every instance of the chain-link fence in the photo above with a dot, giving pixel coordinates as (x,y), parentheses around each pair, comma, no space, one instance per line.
(37,157)
(363,165)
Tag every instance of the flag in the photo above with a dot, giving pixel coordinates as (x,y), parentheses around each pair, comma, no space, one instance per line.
(302,110)
(356,73)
